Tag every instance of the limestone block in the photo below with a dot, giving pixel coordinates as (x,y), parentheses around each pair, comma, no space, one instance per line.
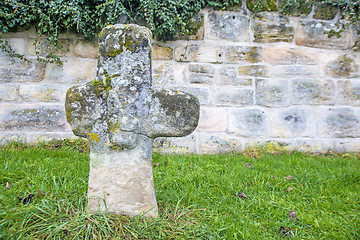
(212,119)
(254,70)
(201,93)
(161,53)
(199,53)
(72,71)
(84,49)
(201,73)
(272,27)
(272,93)
(294,71)
(229,76)
(27,117)
(343,66)
(44,48)
(313,91)
(348,92)
(9,92)
(321,34)
(249,122)
(233,97)
(182,145)
(35,136)
(284,55)
(314,145)
(17,44)
(292,122)
(243,54)
(228,26)
(43,92)
(22,72)
(219,144)
(340,122)
(165,73)
(347,146)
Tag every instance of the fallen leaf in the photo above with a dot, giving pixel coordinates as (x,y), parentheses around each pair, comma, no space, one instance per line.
(242,195)
(249,165)
(156,164)
(289,177)
(289,189)
(27,199)
(292,216)
(7,185)
(286,232)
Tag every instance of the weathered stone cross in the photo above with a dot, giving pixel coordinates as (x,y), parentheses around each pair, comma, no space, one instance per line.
(120,113)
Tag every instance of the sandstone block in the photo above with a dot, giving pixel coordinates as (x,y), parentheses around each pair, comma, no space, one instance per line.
(249,122)
(254,70)
(200,93)
(243,54)
(201,73)
(293,71)
(292,122)
(348,92)
(181,145)
(212,119)
(229,26)
(341,122)
(43,92)
(233,97)
(72,71)
(85,49)
(276,55)
(9,92)
(272,93)
(219,144)
(347,146)
(343,66)
(314,145)
(17,44)
(161,53)
(164,73)
(229,76)
(272,28)
(22,72)
(33,118)
(197,53)
(43,48)
(314,91)
(321,34)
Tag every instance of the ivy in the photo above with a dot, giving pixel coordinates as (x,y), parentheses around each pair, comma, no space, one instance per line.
(166,18)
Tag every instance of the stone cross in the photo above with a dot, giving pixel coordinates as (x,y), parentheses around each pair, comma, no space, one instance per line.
(120,113)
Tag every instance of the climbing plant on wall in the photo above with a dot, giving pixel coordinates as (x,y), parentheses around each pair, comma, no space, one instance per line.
(166,18)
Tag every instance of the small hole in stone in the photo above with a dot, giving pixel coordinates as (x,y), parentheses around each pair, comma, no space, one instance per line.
(219,55)
(233,17)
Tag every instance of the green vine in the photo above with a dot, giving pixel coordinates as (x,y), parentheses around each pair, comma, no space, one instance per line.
(166,18)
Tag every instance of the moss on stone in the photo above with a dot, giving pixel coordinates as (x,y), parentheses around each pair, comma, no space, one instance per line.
(333,33)
(343,67)
(295,7)
(325,11)
(256,6)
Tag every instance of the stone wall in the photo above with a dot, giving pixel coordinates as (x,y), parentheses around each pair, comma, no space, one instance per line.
(289,82)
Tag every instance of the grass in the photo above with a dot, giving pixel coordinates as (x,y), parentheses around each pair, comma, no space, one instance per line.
(197,196)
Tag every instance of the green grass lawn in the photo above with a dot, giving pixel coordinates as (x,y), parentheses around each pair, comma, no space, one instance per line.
(198,196)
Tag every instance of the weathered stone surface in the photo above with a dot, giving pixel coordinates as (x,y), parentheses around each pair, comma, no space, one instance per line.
(85,49)
(201,93)
(325,11)
(321,34)
(315,91)
(292,122)
(29,117)
(343,66)
(272,93)
(120,113)
(201,73)
(167,73)
(294,71)
(17,71)
(212,119)
(199,53)
(314,145)
(349,92)
(338,122)
(228,26)
(249,122)
(72,71)
(243,54)
(9,92)
(17,44)
(161,53)
(43,92)
(352,145)
(254,70)
(272,28)
(44,48)
(219,144)
(277,55)
(182,145)
(229,76)
(233,97)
